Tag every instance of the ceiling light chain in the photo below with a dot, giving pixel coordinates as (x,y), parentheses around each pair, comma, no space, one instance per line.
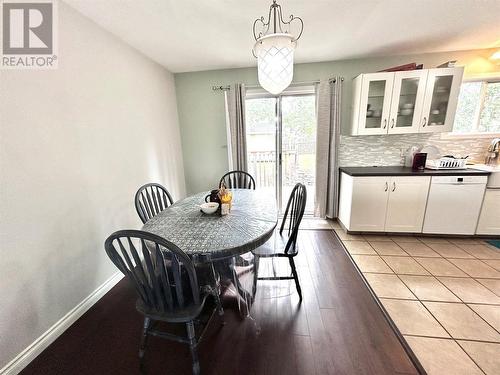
(278,21)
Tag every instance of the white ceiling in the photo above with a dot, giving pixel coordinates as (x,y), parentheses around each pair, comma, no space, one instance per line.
(192,35)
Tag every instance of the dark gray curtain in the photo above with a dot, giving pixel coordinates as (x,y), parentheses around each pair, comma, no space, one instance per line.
(328,102)
(235,125)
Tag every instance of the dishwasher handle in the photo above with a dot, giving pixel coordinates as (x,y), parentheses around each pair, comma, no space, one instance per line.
(463,183)
(459,180)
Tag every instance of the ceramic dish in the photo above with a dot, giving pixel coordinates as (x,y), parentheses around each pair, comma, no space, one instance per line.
(209,208)
(431,151)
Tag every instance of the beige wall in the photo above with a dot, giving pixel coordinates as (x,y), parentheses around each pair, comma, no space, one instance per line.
(201,111)
(75,144)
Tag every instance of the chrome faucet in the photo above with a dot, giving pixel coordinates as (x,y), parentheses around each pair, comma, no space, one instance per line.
(493,151)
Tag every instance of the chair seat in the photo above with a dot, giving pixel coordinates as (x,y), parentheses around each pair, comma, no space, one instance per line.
(177,315)
(275,247)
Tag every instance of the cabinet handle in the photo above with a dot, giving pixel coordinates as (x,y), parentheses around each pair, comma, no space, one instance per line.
(385,123)
(425,122)
(393,186)
(392,123)
(386,186)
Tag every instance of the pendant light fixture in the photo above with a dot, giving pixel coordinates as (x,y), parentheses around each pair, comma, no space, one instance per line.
(274,48)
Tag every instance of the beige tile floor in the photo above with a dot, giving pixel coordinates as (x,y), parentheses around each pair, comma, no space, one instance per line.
(443,294)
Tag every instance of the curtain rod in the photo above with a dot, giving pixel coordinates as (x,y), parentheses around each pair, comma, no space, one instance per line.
(221,88)
(333,80)
(301,83)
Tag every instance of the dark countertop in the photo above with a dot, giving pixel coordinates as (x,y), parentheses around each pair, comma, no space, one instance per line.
(406,171)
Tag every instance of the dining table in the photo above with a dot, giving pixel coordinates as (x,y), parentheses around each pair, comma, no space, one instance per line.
(221,244)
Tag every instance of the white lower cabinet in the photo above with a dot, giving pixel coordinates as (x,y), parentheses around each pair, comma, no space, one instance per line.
(383,203)
(406,204)
(489,218)
(363,202)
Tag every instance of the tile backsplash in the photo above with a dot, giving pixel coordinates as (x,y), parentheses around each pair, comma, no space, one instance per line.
(386,149)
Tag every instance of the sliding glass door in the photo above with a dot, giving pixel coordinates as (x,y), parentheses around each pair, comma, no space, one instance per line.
(298,146)
(261,142)
(281,144)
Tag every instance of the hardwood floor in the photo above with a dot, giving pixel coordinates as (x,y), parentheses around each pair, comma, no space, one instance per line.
(338,329)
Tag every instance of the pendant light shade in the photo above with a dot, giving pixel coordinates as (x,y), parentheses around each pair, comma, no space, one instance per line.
(275,61)
(274,49)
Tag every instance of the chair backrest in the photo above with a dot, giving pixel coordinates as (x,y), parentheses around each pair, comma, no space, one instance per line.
(162,274)
(151,199)
(238,180)
(293,215)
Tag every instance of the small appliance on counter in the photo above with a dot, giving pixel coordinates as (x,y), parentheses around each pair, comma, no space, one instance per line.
(409,155)
(419,161)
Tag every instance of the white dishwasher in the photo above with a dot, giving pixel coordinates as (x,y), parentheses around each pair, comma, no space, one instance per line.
(454,204)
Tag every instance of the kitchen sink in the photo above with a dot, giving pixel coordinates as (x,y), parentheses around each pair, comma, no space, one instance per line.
(494,178)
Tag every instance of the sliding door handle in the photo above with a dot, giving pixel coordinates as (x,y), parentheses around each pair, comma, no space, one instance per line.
(392,123)
(425,122)
(393,186)
(386,186)
(385,123)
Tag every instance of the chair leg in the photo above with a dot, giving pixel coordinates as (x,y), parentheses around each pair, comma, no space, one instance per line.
(295,277)
(220,309)
(255,277)
(144,339)
(192,347)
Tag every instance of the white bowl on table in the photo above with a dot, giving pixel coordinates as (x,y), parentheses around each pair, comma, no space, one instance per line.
(209,208)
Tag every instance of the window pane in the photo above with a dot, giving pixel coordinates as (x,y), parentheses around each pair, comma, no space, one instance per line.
(376,91)
(490,114)
(407,99)
(440,99)
(468,107)
(260,116)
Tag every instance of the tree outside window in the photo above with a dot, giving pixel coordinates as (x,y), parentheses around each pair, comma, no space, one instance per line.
(478,109)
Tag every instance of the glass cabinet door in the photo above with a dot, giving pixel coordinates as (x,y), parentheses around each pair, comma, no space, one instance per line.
(407,100)
(376,91)
(443,87)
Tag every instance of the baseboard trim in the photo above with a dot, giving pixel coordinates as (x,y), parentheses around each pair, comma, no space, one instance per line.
(49,336)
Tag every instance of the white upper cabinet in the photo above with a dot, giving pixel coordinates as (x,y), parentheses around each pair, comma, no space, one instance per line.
(440,104)
(374,102)
(407,100)
(415,101)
